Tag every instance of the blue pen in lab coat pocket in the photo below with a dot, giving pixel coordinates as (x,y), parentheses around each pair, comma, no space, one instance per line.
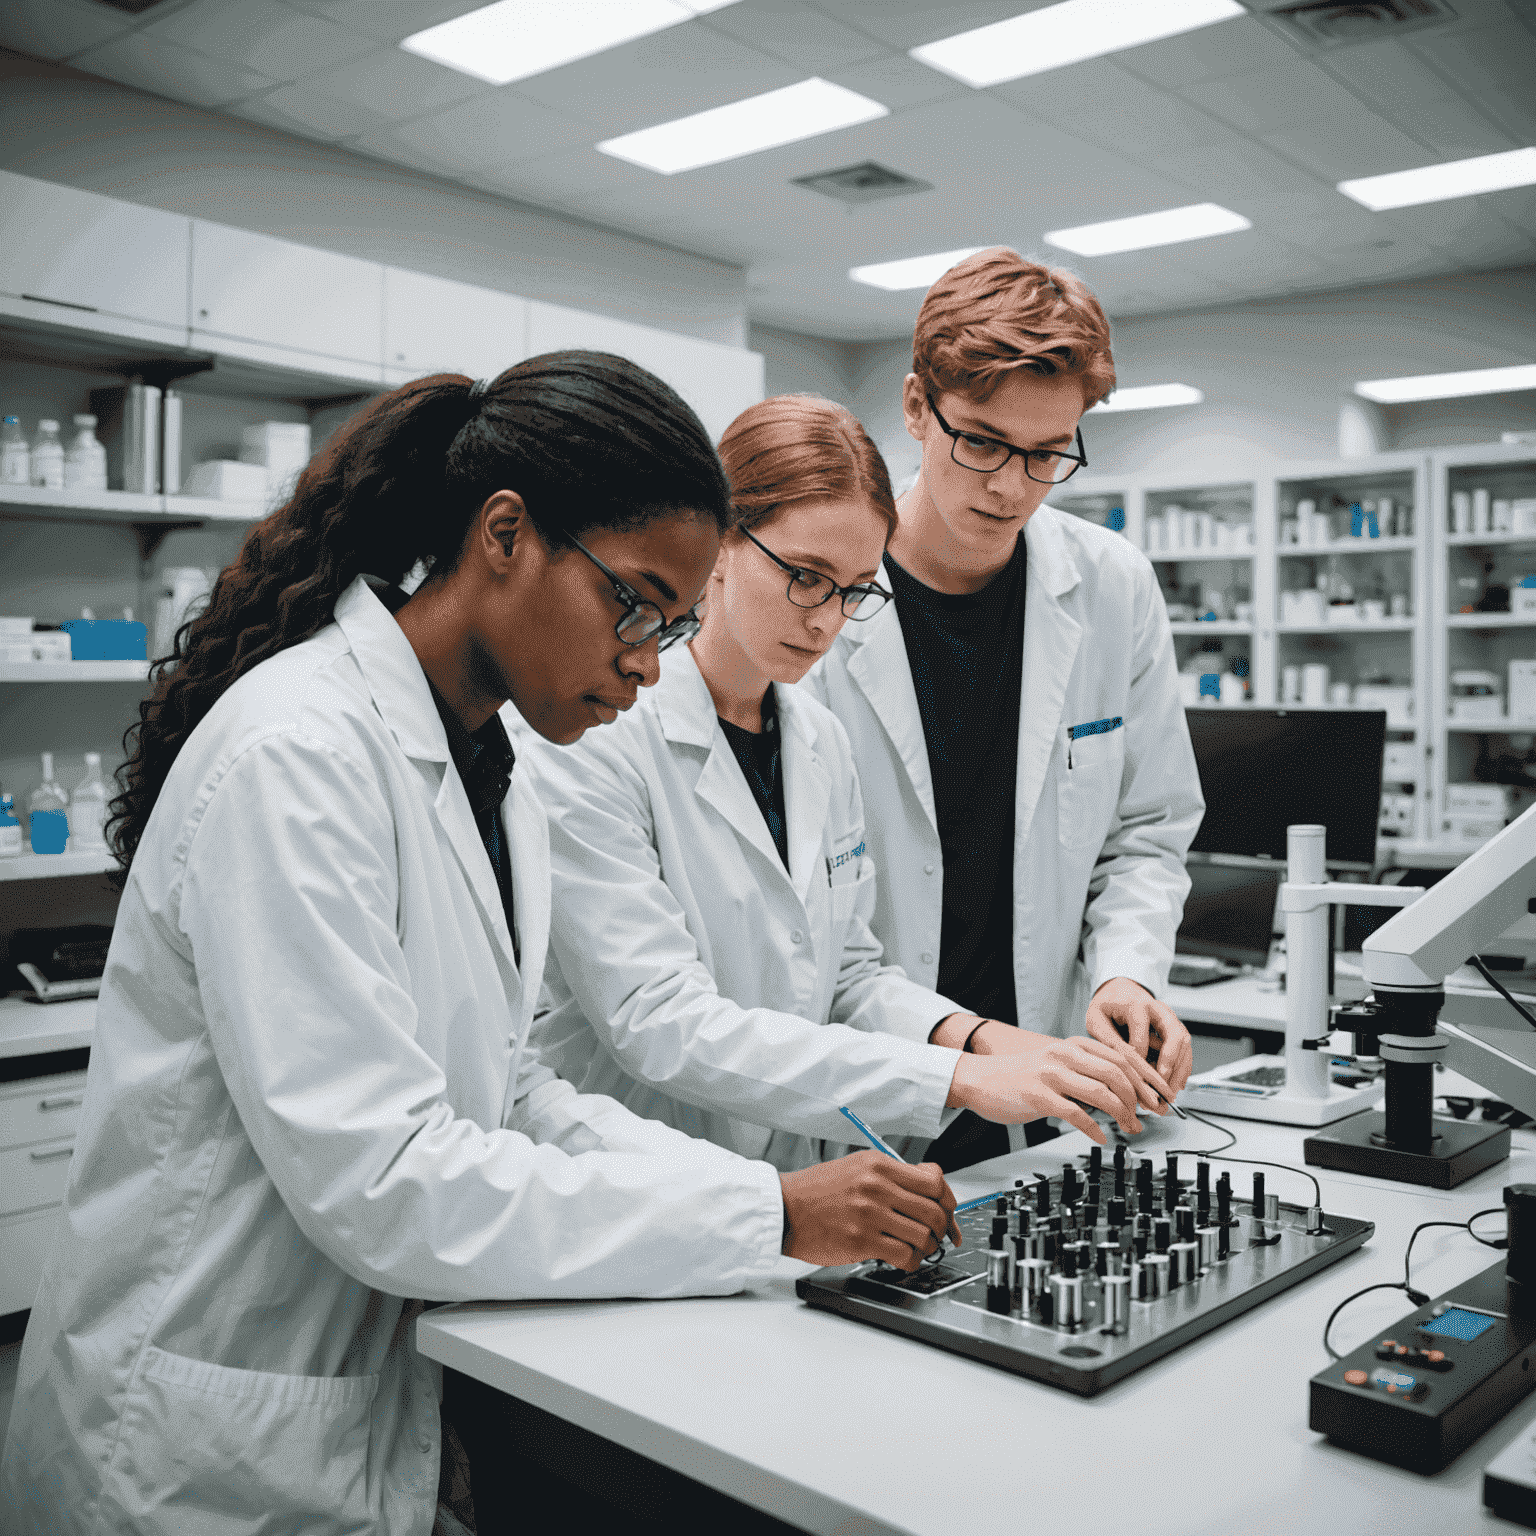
(1091,728)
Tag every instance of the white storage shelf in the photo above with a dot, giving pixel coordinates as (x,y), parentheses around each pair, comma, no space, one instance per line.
(1210,627)
(43,866)
(1180,557)
(122,506)
(74,672)
(1490,620)
(1354,627)
(1503,725)
(1487,540)
(1383,546)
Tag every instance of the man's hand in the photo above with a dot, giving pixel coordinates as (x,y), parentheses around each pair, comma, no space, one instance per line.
(867,1206)
(1148,1024)
(1046,1076)
(995,1038)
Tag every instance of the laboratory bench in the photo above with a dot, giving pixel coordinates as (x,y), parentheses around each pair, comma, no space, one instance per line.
(819,1423)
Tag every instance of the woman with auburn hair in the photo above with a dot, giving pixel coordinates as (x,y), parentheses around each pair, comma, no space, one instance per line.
(711,961)
(309,1095)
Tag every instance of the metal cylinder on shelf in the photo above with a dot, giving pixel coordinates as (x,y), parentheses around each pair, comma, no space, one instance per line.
(1306,966)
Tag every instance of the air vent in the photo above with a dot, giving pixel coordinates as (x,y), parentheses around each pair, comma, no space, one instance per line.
(1332,24)
(862,183)
(133,7)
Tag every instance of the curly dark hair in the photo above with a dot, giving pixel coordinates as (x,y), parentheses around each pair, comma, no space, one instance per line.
(588,439)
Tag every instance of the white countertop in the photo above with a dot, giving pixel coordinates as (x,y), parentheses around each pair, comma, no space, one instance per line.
(836,1426)
(29,1029)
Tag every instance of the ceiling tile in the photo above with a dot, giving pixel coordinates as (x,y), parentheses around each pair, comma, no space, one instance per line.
(263,35)
(152,64)
(390,85)
(1252,259)
(387,21)
(1231,172)
(795,34)
(55,29)
(1452,130)
(308,114)
(1469,229)
(1370,148)
(654,79)
(482,133)
(1494,67)
(897,82)
(1261,101)
(1227,48)
(911,23)
(1386,74)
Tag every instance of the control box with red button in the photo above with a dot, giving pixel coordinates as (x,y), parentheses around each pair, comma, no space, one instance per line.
(1419,1394)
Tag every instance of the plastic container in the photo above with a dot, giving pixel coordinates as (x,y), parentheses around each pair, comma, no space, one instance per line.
(106,639)
(88,808)
(48,813)
(10,830)
(48,457)
(15,456)
(85,465)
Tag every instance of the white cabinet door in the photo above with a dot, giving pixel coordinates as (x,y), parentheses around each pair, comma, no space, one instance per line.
(719,382)
(24,1245)
(84,254)
(284,301)
(435,325)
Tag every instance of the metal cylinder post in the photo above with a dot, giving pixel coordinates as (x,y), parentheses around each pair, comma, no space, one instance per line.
(1410,1100)
(1306,967)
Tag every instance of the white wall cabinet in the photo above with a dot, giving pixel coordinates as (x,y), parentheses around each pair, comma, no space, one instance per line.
(271,301)
(38,1117)
(719,382)
(435,325)
(80,254)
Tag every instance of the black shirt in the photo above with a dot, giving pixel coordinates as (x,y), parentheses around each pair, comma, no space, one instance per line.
(966,652)
(758,754)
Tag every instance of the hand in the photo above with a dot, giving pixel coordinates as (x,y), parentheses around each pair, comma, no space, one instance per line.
(867,1206)
(1042,1075)
(995,1038)
(1148,1024)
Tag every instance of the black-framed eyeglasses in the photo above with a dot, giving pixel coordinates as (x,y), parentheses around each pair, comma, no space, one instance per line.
(642,620)
(986,455)
(810,589)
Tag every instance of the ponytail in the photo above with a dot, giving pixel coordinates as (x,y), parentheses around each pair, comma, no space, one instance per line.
(589,440)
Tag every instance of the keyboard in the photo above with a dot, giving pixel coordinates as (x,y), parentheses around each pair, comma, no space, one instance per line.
(1195,973)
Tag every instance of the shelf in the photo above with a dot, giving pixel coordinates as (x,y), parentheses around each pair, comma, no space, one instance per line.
(1357,627)
(123,506)
(1490,621)
(1347,547)
(1503,726)
(1209,627)
(74,672)
(209,510)
(1478,540)
(1183,556)
(31,1029)
(42,866)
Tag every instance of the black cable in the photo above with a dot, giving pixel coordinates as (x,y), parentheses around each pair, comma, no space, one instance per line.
(1381,1285)
(1498,986)
(1254,1162)
(1487,1242)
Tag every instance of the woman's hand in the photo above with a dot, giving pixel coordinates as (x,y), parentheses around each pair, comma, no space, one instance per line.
(998,1039)
(867,1206)
(1149,1025)
(1039,1075)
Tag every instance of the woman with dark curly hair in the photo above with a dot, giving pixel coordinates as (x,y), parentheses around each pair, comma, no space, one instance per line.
(309,1097)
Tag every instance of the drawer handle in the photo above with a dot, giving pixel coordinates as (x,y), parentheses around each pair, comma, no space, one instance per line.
(54,1155)
(72,1103)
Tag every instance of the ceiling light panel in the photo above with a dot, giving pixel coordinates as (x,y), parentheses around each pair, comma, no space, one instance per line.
(911,271)
(1449,386)
(747,127)
(1066,34)
(515,39)
(1151,397)
(1199,221)
(1440,183)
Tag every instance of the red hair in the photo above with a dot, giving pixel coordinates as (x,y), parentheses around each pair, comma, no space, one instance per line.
(995,312)
(801,448)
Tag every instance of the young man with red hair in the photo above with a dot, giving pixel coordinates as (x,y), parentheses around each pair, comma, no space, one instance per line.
(1026,767)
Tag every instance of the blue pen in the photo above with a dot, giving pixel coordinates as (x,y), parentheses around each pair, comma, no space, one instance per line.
(879,1143)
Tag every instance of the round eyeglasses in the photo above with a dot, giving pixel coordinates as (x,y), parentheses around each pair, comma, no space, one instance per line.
(987,455)
(810,589)
(642,619)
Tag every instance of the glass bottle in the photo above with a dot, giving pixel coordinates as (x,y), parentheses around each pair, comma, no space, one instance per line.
(10,829)
(49,813)
(85,465)
(15,456)
(88,809)
(48,457)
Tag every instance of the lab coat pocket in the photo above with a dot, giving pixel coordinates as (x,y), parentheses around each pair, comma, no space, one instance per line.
(1088,786)
(212,1445)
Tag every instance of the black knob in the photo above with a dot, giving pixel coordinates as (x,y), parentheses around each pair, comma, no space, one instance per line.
(1002,1205)
(1117,1211)
(1224,1200)
(999,1231)
(1160,1236)
(1069,1262)
(1042,1196)
(1069,1190)
(1202,1175)
(1258,1195)
(1090,1213)
(1094,1188)
(1171,1181)
(1095,1163)
(1139,1243)
(1186,1220)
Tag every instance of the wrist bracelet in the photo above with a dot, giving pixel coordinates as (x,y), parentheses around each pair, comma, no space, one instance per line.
(972,1036)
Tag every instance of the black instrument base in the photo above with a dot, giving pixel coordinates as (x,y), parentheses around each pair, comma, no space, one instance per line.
(1422,1416)
(1461,1148)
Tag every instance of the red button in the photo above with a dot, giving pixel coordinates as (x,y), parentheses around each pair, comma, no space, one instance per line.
(1355,1378)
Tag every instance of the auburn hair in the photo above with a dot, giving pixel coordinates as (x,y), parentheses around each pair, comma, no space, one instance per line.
(996,312)
(792,448)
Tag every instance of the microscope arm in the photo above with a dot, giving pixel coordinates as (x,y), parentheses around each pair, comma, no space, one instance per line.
(1472,906)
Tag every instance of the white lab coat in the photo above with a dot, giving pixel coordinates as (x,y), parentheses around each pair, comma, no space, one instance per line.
(729,997)
(308,1098)
(1098,847)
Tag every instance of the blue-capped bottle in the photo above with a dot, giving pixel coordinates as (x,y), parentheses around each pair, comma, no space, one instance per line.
(10,829)
(48,811)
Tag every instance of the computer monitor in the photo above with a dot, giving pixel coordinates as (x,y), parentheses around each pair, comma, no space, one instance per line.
(1264,770)
(1229,913)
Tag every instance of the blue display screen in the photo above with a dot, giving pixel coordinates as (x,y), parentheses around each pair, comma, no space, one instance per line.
(1458,1323)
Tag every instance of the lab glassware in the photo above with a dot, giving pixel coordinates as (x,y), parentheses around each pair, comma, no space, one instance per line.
(49,813)
(88,808)
(15,456)
(10,829)
(48,457)
(85,465)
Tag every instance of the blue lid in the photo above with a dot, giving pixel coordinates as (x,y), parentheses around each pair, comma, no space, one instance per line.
(13,421)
